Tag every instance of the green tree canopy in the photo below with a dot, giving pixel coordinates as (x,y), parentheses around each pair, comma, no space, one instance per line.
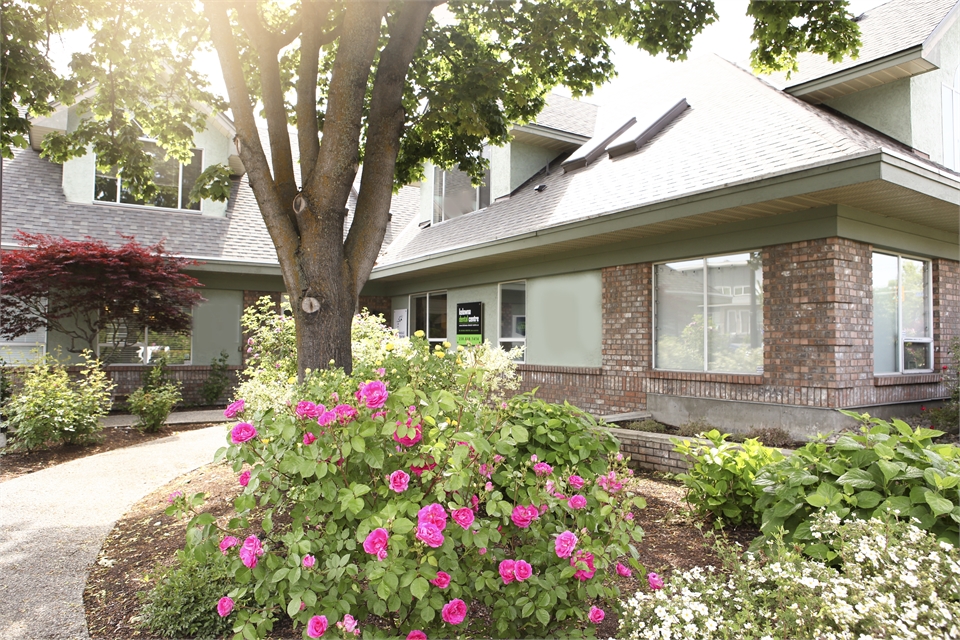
(385,84)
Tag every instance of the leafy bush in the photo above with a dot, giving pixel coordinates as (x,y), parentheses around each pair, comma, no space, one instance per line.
(947,417)
(648,426)
(184,601)
(153,402)
(886,468)
(721,477)
(267,381)
(50,408)
(895,581)
(408,491)
(218,381)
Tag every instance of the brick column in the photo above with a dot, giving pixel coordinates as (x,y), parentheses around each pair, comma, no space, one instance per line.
(627,335)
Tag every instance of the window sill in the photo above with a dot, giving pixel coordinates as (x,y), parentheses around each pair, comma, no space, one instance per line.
(698,376)
(145,207)
(906,378)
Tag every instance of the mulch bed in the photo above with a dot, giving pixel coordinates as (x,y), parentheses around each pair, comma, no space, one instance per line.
(17,463)
(146,538)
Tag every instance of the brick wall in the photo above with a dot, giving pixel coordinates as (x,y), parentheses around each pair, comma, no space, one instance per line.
(377,304)
(818,338)
(130,377)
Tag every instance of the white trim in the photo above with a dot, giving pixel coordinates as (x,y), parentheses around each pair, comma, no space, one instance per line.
(411,313)
(515,341)
(180,194)
(928,313)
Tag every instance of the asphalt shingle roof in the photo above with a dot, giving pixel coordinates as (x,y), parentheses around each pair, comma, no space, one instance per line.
(566,114)
(737,128)
(884,30)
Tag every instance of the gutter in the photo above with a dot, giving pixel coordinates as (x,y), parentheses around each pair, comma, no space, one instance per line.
(915,53)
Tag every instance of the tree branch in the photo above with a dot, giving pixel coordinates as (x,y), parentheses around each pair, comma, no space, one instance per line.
(307,128)
(282,229)
(265,43)
(384,127)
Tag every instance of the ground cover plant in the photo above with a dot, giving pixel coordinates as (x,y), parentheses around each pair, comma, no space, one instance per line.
(51,408)
(894,580)
(413,491)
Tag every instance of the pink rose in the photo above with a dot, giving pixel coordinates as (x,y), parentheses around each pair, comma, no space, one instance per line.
(474,500)
(442,580)
(173,496)
(309,438)
(485,470)
(482,551)
(416,634)
(576,482)
(577,502)
(522,516)
(373,394)
(508,571)
(565,543)
(251,551)
(382,554)
(233,409)
(586,558)
(227,542)
(533,458)
(435,514)
(326,417)
(522,570)
(463,517)
(349,624)
(244,478)
(225,606)
(655,581)
(488,486)
(624,571)
(345,413)
(309,561)
(542,469)
(317,626)
(418,471)
(596,615)
(609,482)
(306,409)
(430,534)
(408,440)
(399,481)
(242,432)
(454,611)
(376,541)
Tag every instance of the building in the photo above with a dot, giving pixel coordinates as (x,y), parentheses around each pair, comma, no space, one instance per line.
(754,252)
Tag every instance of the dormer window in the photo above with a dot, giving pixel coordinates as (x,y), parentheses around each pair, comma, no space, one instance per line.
(173,179)
(454,194)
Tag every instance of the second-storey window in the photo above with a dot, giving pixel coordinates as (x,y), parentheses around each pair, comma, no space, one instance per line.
(513,315)
(429,314)
(455,195)
(709,314)
(173,179)
(902,315)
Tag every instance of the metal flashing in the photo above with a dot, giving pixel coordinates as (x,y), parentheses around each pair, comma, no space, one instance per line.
(632,139)
(594,147)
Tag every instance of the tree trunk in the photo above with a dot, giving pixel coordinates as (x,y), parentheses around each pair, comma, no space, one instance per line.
(323,337)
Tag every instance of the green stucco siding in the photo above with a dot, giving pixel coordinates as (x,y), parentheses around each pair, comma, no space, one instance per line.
(216,326)
(564,320)
(526,160)
(885,108)
(487,295)
(926,91)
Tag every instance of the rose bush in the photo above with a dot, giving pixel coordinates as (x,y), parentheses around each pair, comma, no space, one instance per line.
(410,502)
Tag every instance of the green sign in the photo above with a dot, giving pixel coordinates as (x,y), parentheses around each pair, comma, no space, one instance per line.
(469,323)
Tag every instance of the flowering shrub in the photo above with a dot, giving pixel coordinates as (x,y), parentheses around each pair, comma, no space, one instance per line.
(52,408)
(721,474)
(409,491)
(886,468)
(896,581)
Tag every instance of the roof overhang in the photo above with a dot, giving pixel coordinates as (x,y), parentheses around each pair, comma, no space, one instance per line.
(881,181)
(903,64)
(547,137)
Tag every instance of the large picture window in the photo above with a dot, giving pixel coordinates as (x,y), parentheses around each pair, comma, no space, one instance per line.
(513,315)
(127,344)
(173,179)
(429,314)
(455,195)
(709,314)
(24,350)
(902,315)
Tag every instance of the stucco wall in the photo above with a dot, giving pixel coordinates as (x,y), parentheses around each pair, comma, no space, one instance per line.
(564,320)
(925,95)
(886,108)
(526,160)
(487,295)
(216,326)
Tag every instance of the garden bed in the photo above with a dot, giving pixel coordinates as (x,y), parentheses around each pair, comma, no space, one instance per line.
(146,538)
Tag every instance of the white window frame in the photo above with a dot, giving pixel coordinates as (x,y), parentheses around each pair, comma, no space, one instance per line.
(24,343)
(442,217)
(180,195)
(928,312)
(705,307)
(517,342)
(411,311)
(146,355)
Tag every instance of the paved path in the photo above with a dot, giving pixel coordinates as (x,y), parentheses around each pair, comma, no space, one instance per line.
(177,417)
(53,523)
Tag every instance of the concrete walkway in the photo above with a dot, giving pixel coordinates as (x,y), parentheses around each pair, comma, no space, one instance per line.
(178,417)
(53,523)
